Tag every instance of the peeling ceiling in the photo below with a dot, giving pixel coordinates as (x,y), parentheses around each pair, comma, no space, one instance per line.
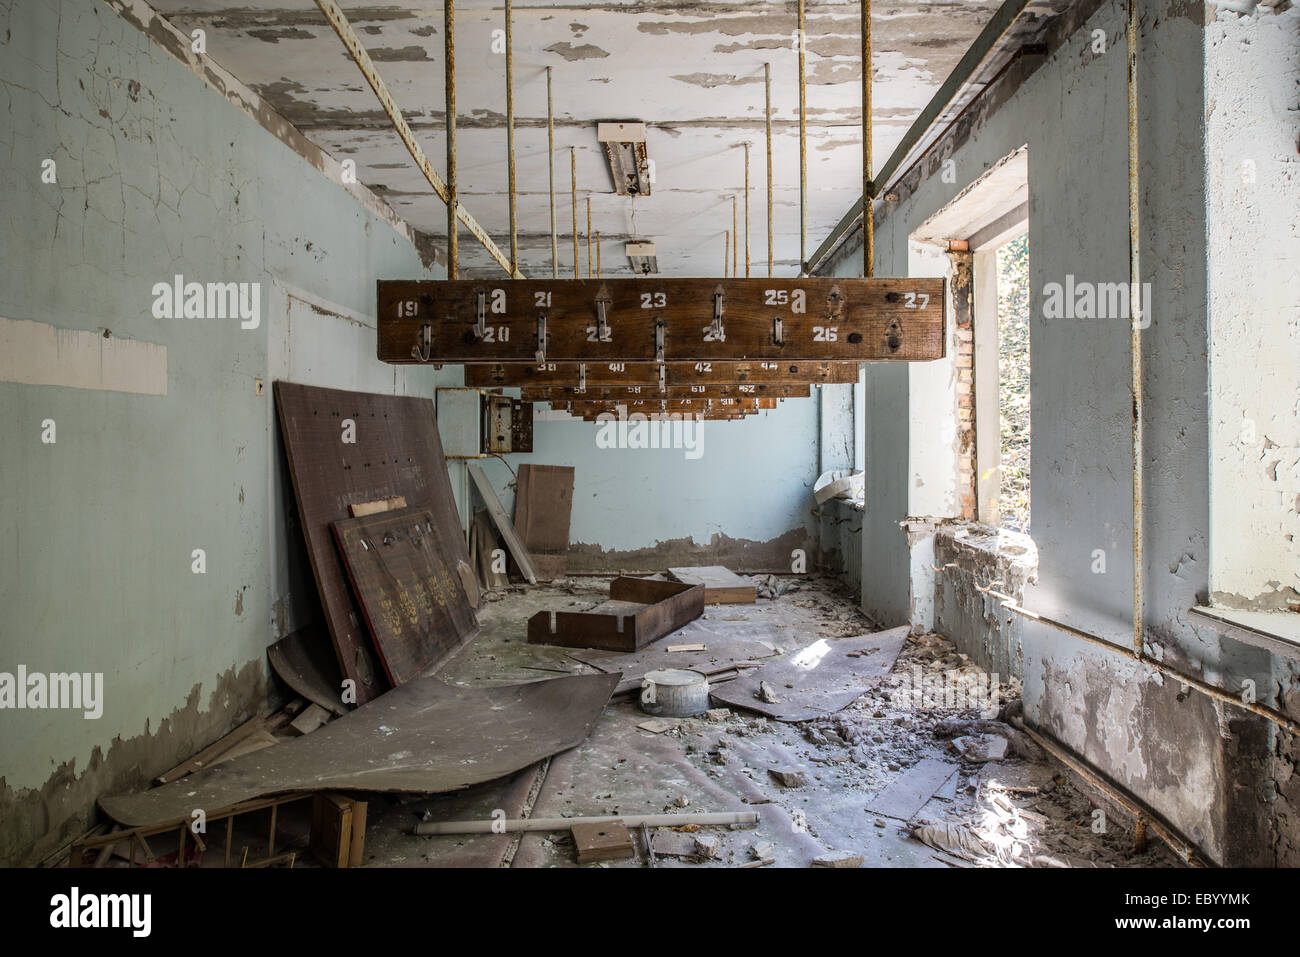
(693,72)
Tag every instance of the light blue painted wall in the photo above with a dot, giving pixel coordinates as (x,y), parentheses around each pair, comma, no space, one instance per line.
(753,480)
(96,531)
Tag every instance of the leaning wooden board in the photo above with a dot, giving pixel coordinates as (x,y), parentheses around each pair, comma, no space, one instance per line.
(402,566)
(503,523)
(660,319)
(543,507)
(396,451)
(722,586)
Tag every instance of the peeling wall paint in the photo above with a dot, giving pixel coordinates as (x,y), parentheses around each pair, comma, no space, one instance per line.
(1217,774)
(1252,117)
(156,175)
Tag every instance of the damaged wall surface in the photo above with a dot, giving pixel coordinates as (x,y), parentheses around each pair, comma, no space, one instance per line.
(107,492)
(716,500)
(1207,769)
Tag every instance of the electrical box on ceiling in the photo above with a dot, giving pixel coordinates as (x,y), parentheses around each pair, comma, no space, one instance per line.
(629,163)
(475,423)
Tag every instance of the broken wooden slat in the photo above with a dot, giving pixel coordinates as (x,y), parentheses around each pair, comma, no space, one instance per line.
(362,509)
(503,523)
(309,720)
(657,318)
(212,753)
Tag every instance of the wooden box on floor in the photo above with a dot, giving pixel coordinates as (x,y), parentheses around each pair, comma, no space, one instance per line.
(338,830)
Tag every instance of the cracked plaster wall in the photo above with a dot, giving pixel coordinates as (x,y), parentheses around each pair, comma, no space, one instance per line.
(157,174)
(1218,774)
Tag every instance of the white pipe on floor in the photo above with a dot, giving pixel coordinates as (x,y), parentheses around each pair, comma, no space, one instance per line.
(564,823)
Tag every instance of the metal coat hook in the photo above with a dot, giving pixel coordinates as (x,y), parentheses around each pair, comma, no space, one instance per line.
(423,348)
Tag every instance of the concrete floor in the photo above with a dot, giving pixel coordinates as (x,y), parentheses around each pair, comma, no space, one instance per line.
(724,762)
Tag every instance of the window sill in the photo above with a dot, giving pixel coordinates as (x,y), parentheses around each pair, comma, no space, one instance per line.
(1275,631)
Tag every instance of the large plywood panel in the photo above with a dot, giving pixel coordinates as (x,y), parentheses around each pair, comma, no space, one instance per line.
(394,451)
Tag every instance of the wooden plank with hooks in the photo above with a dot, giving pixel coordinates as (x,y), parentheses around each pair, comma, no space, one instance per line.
(517,374)
(656,319)
(743,390)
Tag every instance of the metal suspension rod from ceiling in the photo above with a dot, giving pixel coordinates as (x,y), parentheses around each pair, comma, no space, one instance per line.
(449,58)
(803,146)
(573,189)
(767,91)
(979,51)
(746,144)
(510,136)
(735,233)
(550,167)
(352,42)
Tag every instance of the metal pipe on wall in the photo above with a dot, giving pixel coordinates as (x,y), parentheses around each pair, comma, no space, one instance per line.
(550,166)
(597,255)
(767,90)
(510,136)
(588,237)
(726,251)
(1135,326)
(449,56)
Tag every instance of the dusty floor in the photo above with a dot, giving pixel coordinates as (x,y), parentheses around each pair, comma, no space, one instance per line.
(855,783)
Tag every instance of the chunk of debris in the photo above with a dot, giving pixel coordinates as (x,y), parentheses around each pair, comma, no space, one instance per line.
(667,843)
(718,714)
(767,694)
(979,748)
(707,846)
(761,850)
(789,779)
(655,726)
(838,859)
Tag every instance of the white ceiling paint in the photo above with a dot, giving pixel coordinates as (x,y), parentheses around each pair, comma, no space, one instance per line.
(693,72)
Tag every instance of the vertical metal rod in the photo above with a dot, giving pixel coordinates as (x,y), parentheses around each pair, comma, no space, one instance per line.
(550,166)
(588,237)
(726,251)
(803,149)
(449,56)
(510,136)
(1136,307)
(767,87)
(573,189)
(868,190)
(735,231)
(746,210)
(597,255)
